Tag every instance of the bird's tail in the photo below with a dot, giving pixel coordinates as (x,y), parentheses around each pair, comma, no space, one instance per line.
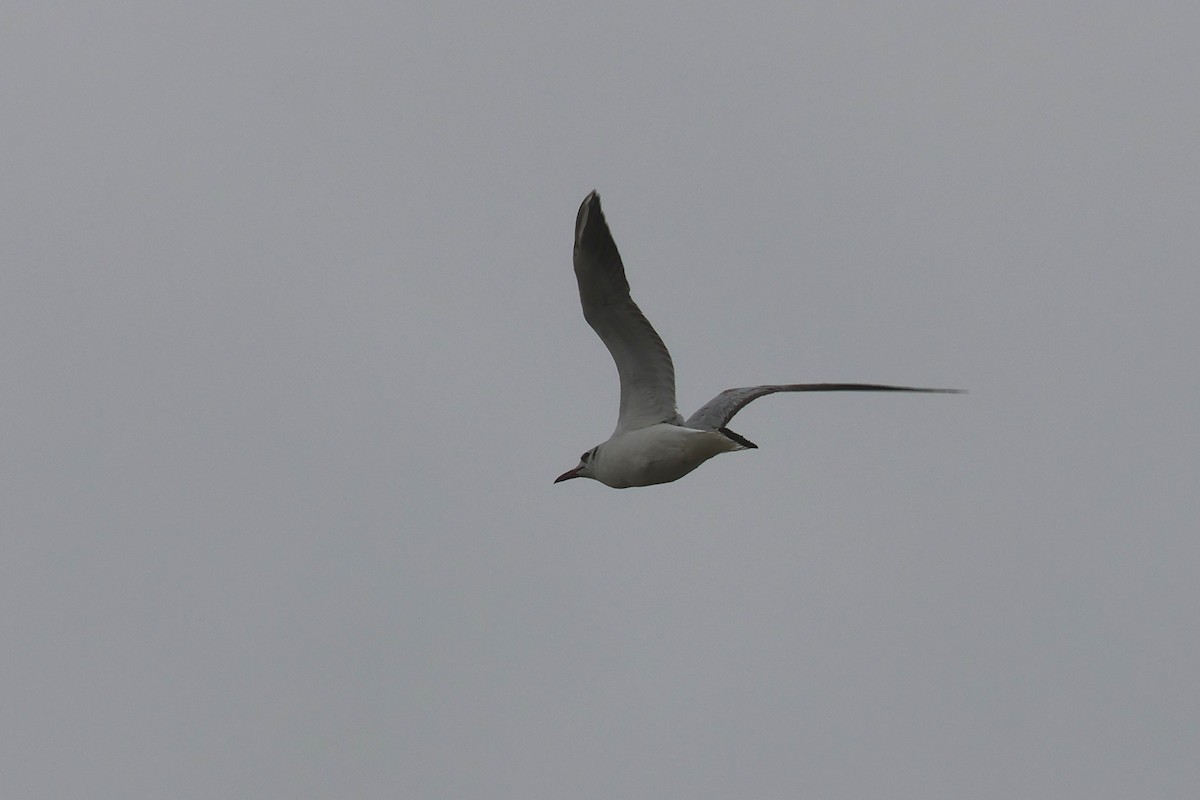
(742,442)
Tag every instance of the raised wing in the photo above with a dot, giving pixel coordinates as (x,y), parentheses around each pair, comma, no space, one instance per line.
(718,411)
(643,363)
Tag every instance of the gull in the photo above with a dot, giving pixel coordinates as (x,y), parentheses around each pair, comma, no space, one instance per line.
(652,443)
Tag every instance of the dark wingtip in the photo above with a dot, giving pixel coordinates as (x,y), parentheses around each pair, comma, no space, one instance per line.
(590,204)
(863,387)
(591,231)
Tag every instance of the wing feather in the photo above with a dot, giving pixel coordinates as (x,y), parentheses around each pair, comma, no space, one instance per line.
(717,412)
(643,363)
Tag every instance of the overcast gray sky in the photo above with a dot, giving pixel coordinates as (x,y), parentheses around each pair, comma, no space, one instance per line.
(292,352)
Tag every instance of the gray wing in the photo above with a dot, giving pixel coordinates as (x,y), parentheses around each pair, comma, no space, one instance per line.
(718,411)
(643,363)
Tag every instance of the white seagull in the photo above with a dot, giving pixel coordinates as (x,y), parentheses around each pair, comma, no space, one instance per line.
(652,442)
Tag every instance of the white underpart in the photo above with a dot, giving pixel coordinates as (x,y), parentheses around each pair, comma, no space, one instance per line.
(658,454)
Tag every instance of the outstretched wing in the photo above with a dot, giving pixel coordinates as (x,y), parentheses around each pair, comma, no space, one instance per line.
(643,363)
(718,411)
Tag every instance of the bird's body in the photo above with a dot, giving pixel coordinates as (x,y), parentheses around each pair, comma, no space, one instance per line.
(652,443)
(656,454)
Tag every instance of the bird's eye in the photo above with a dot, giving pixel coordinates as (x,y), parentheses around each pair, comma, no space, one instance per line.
(585,456)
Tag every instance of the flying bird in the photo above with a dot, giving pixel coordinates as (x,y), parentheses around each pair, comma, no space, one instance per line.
(652,443)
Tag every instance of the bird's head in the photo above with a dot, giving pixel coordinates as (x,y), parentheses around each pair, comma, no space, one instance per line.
(586,462)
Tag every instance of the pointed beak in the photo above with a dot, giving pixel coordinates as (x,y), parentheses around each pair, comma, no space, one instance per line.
(566,476)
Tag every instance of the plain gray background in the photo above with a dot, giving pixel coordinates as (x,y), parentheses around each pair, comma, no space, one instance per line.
(292,351)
